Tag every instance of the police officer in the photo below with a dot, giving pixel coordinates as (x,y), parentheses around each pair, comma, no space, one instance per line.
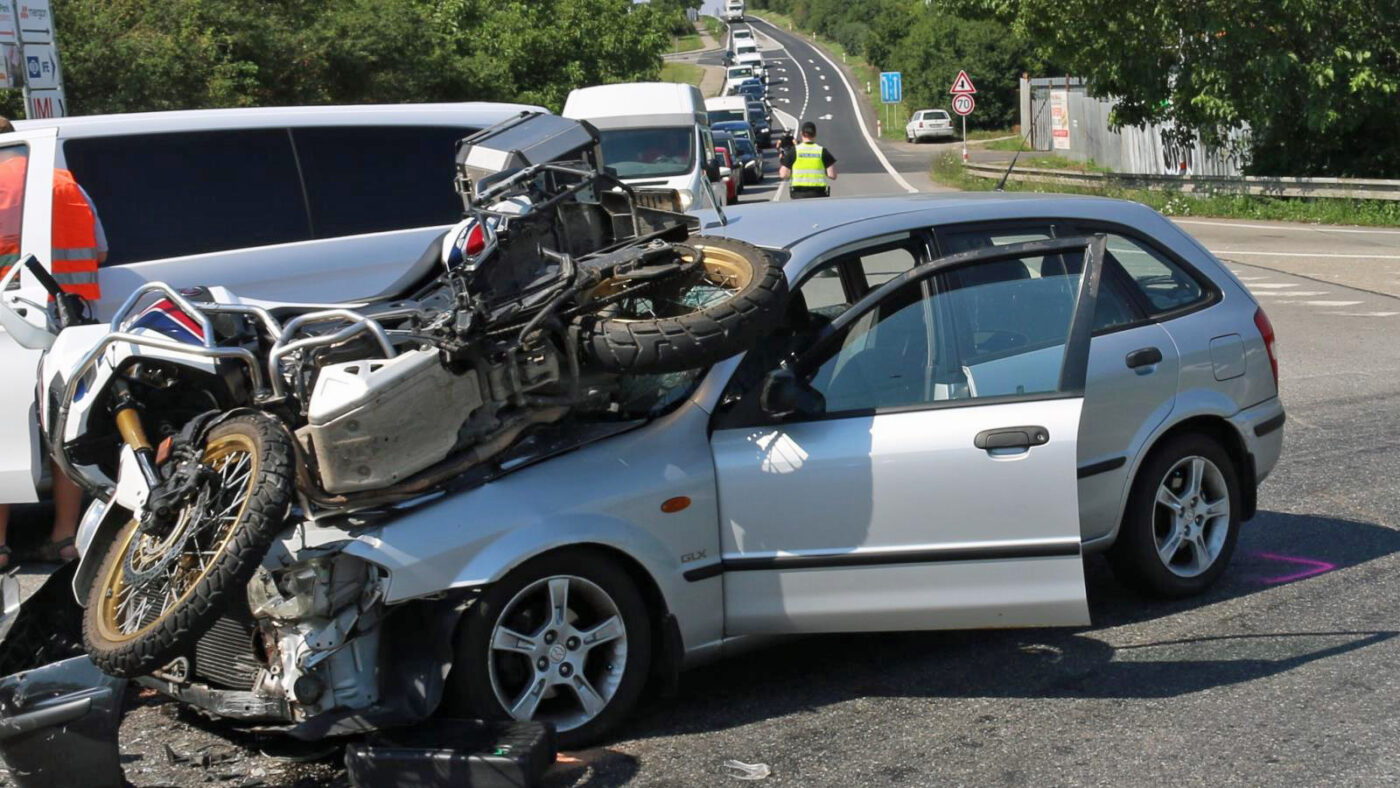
(808,165)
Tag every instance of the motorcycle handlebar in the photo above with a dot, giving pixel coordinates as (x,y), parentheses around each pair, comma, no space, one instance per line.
(69,306)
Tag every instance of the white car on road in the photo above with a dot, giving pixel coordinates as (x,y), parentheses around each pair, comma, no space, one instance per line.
(935,124)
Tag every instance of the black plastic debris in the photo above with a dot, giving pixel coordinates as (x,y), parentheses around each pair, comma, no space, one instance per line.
(466,753)
(58,726)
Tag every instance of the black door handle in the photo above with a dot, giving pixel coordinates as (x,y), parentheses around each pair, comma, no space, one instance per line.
(1012,438)
(1143,357)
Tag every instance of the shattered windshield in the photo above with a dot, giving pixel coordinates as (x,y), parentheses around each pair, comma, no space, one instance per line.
(647,153)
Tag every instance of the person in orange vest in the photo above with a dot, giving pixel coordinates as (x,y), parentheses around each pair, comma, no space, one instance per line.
(78,247)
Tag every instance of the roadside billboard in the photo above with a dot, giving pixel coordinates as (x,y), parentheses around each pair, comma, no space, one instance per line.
(1059,118)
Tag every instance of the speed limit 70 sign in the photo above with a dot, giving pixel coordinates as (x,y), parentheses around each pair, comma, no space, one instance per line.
(963,104)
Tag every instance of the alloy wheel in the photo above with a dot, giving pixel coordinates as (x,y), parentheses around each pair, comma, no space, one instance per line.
(1191,516)
(558,652)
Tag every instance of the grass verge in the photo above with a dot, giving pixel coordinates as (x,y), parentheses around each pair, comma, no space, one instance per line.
(685,73)
(686,43)
(715,28)
(948,170)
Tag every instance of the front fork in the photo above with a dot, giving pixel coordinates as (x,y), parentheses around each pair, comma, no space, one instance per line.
(133,434)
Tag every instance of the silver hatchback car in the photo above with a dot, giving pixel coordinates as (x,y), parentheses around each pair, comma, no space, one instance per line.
(966,394)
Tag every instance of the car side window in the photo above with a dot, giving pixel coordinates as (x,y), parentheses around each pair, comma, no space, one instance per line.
(988,330)
(169,195)
(841,281)
(1165,285)
(1114,307)
(368,179)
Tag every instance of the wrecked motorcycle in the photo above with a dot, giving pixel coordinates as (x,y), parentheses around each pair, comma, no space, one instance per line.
(212,421)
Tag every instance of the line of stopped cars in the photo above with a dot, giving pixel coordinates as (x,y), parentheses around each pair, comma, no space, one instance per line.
(581,444)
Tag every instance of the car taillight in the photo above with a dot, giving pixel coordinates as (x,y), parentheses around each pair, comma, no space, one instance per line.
(1266,330)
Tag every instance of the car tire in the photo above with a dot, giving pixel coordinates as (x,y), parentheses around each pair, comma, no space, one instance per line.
(908,138)
(484,673)
(1177,533)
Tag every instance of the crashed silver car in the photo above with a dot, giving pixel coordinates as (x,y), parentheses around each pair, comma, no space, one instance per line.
(902,450)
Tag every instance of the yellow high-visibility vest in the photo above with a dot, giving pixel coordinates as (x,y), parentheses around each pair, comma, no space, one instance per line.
(808,172)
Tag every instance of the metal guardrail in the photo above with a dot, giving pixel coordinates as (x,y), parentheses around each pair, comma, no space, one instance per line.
(1344,188)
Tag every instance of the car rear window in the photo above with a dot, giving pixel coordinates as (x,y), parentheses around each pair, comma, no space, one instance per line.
(1166,285)
(365,179)
(169,195)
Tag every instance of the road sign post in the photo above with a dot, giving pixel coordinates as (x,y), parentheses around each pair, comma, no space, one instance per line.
(963,104)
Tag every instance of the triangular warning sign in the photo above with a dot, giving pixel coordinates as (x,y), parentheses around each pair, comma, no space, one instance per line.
(962,84)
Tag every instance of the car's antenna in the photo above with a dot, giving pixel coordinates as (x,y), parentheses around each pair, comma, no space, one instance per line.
(1001,185)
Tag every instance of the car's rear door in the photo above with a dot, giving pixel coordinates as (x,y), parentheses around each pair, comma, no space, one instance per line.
(935,488)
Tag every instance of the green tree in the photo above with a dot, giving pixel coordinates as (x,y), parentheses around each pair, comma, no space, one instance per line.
(1316,81)
(138,55)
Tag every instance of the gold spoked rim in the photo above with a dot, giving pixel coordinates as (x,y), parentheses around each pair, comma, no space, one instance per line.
(726,274)
(152,577)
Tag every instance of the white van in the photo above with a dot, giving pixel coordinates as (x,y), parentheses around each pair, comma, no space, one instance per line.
(725,108)
(734,11)
(310,204)
(654,135)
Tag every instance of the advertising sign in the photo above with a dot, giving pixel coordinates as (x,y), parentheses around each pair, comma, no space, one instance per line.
(1059,118)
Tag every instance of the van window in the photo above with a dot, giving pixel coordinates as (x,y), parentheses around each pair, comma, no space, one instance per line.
(649,153)
(716,116)
(368,179)
(168,195)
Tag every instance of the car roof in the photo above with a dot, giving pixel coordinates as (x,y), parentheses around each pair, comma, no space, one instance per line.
(470,113)
(783,225)
(731,124)
(633,98)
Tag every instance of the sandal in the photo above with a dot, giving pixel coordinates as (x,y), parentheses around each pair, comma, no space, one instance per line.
(7,555)
(52,552)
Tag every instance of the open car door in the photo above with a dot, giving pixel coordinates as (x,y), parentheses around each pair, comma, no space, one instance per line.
(915,466)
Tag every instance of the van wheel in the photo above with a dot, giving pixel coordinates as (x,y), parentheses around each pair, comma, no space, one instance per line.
(1182,519)
(564,638)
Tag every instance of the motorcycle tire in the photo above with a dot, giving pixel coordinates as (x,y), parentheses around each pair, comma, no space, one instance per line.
(153,598)
(740,294)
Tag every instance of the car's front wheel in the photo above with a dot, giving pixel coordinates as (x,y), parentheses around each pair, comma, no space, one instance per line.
(564,638)
(1182,520)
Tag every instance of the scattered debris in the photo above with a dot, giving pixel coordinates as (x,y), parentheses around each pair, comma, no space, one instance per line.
(747,771)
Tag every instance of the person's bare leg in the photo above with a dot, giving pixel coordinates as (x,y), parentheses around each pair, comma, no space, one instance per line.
(67,508)
(4,533)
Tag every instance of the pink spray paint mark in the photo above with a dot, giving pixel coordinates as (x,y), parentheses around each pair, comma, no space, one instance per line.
(1315,567)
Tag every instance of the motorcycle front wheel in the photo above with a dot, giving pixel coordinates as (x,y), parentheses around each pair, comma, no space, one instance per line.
(685,322)
(154,596)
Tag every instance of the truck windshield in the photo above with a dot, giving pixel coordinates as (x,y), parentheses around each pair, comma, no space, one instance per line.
(736,72)
(649,153)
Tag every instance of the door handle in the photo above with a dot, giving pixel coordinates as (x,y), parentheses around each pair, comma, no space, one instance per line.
(1012,438)
(1143,357)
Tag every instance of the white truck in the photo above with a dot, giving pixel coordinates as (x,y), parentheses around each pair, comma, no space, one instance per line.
(734,11)
(655,135)
(313,204)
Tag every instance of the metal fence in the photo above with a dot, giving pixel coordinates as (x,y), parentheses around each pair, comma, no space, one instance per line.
(1085,134)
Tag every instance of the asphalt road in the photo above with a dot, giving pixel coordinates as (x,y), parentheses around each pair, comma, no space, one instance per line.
(1284,674)
(805,84)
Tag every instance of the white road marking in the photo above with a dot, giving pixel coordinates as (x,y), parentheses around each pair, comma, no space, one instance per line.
(1308,228)
(1309,254)
(823,76)
(828,98)
(1365,314)
(1270,285)
(1291,293)
(1331,303)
